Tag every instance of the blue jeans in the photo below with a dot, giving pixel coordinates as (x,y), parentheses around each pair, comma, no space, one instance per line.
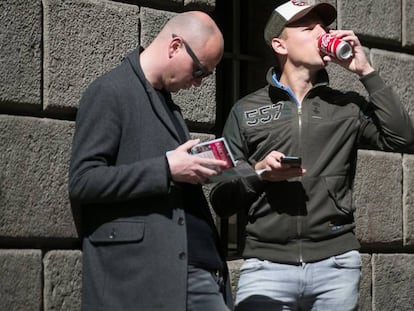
(330,284)
(203,291)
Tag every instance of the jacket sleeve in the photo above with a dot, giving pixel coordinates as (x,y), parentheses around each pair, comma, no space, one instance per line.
(94,175)
(385,123)
(229,197)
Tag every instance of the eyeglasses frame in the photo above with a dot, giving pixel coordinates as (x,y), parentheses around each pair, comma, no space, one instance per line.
(200,70)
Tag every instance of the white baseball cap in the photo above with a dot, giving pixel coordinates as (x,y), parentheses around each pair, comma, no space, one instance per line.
(292,11)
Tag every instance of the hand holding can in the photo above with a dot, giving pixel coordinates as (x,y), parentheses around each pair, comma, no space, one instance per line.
(335,47)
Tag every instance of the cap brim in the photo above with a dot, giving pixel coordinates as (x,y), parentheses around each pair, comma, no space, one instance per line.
(325,11)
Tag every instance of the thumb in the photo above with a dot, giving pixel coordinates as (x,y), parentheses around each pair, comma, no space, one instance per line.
(188,145)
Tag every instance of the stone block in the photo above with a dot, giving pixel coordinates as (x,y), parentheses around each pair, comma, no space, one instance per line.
(82,40)
(392,284)
(205,5)
(344,80)
(377,198)
(20,53)
(198,104)
(178,5)
(20,280)
(62,280)
(202,136)
(234,270)
(377,19)
(34,163)
(152,21)
(161,4)
(408,23)
(365,296)
(408,199)
(397,70)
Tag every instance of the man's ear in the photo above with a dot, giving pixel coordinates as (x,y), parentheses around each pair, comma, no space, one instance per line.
(174,46)
(278,45)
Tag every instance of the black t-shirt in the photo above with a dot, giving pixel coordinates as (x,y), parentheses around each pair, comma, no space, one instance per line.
(201,235)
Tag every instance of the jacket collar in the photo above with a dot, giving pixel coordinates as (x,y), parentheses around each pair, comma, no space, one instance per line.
(157,105)
(274,73)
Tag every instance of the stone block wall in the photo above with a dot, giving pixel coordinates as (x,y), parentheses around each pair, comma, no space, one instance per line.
(52,49)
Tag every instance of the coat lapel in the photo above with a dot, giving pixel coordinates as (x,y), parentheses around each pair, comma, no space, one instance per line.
(182,123)
(157,105)
(160,110)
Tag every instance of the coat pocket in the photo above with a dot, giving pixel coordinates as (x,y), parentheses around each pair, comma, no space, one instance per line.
(118,232)
(340,193)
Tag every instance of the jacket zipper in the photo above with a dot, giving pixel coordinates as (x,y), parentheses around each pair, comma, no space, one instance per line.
(299,107)
(299,219)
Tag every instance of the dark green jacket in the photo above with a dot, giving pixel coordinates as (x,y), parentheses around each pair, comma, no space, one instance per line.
(309,218)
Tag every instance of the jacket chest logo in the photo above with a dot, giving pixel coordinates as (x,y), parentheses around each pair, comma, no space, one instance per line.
(263,115)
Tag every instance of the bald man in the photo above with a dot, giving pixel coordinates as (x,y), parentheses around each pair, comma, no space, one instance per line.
(149,240)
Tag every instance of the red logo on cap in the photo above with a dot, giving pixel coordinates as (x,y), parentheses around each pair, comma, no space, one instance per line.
(298,2)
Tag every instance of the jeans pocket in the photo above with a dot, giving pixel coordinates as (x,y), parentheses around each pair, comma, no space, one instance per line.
(251,265)
(349,260)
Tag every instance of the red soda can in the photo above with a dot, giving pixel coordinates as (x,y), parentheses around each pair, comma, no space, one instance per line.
(334,47)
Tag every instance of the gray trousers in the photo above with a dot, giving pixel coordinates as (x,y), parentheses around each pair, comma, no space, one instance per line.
(203,292)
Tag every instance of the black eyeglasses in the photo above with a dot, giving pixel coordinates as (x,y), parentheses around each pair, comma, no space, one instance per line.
(199,71)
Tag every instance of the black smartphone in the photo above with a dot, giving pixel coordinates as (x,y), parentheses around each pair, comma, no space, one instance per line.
(293,161)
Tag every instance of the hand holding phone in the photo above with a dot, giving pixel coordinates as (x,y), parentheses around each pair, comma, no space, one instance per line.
(292,161)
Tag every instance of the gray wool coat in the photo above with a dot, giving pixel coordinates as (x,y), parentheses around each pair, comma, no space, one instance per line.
(132,217)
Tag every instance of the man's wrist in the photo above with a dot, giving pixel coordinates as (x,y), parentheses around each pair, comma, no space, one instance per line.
(366,71)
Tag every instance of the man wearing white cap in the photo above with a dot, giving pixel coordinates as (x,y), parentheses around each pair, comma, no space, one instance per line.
(300,249)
